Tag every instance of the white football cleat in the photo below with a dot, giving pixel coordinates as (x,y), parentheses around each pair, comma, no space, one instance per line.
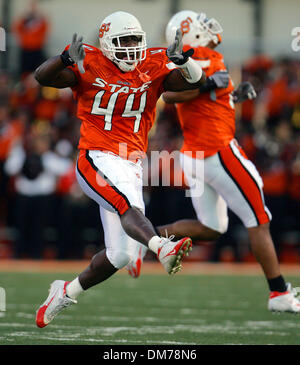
(134,266)
(171,254)
(57,300)
(284,302)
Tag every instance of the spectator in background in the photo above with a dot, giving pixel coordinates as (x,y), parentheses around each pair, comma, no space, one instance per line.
(24,94)
(36,169)
(272,167)
(53,105)
(31,31)
(280,94)
(11,130)
(5,88)
(256,70)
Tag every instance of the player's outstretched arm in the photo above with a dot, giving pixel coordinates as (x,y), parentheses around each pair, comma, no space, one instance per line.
(54,71)
(171,97)
(188,74)
(55,74)
(219,79)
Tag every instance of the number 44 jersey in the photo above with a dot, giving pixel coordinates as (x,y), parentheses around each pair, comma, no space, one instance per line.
(117,109)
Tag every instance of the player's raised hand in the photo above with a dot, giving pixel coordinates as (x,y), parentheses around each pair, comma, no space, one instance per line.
(243,92)
(76,52)
(174,51)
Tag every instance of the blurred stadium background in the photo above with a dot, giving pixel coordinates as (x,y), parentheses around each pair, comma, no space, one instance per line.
(50,218)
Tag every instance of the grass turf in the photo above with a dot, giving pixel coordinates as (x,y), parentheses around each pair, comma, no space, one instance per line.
(151,310)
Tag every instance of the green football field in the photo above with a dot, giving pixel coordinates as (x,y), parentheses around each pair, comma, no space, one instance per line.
(151,310)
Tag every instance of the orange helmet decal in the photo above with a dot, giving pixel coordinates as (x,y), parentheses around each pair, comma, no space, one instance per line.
(103,28)
(185,25)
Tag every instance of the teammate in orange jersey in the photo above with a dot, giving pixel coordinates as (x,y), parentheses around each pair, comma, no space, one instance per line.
(116,88)
(230,179)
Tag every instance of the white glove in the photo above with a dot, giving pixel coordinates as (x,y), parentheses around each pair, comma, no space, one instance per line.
(245,91)
(174,51)
(77,53)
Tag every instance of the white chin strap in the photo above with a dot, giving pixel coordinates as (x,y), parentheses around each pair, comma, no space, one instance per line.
(125,67)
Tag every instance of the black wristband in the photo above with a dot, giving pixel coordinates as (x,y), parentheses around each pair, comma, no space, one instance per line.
(208,85)
(66,59)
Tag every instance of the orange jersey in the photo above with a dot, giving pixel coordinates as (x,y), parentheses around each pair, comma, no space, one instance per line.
(208,121)
(115,107)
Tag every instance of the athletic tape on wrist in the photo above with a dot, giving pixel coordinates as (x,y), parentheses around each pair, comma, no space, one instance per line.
(191,71)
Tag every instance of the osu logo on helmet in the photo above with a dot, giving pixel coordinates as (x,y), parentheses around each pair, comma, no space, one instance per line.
(103,28)
(185,25)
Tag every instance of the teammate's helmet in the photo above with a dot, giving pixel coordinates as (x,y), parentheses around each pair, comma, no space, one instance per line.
(113,28)
(197,29)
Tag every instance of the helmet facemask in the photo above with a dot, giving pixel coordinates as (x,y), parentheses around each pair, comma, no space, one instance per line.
(125,57)
(210,30)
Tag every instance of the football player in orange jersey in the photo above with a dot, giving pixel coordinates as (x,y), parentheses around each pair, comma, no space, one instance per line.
(229,178)
(116,87)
